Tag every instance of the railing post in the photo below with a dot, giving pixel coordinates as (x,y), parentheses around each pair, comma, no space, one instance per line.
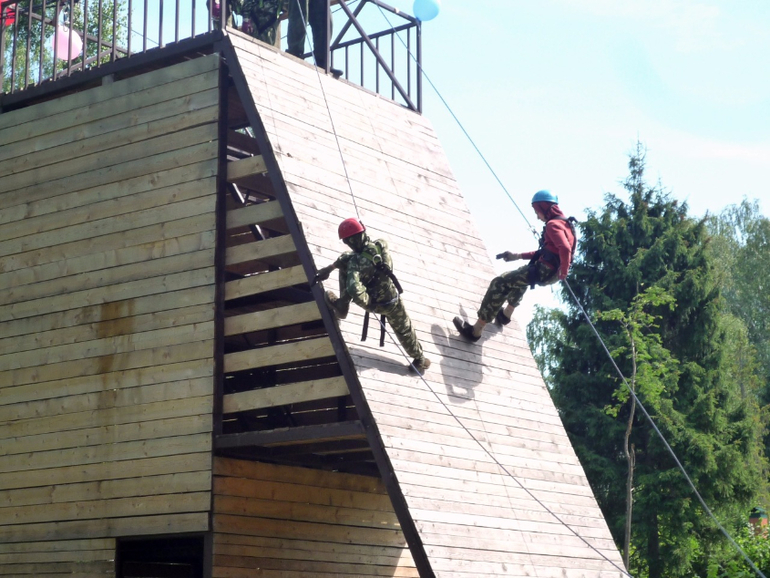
(328,35)
(419,67)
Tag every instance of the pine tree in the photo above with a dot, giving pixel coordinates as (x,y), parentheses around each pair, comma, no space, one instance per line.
(625,250)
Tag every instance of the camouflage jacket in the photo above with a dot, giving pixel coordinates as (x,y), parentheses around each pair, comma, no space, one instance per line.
(258,10)
(367,283)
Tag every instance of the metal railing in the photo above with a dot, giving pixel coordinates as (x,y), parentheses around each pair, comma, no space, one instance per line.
(44,40)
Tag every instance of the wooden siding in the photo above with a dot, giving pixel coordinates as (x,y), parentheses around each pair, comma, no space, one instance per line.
(280,521)
(473,519)
(107,239)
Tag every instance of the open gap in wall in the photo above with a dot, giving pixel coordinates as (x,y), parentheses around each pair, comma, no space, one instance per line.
(175,557)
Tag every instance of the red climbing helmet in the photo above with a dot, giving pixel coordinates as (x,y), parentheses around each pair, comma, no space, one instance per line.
(350,227)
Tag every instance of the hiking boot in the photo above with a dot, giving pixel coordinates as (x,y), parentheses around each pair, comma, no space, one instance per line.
(419,365)
(465,329)
(337,305)
(501,318)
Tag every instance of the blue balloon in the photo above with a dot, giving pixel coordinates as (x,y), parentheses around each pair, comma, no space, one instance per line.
(425,10)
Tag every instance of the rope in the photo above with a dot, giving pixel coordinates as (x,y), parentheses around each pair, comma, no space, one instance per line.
(660,435)
(593,328)
(328,110)
(403,353)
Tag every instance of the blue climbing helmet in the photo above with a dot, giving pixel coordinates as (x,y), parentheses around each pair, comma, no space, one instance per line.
(545,196)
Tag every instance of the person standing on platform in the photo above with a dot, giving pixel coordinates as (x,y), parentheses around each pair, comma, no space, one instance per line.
(317,15)
(550,263)
(261,18)
(367,279)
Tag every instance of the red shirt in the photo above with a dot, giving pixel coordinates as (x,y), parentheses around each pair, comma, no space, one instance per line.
(558,239)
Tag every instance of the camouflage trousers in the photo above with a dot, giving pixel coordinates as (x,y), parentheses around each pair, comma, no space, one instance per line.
(511,287)
(402,326)
(396,315)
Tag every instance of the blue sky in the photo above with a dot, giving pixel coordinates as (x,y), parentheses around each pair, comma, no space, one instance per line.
(556,93)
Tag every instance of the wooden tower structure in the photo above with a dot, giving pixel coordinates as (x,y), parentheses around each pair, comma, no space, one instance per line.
(175,398)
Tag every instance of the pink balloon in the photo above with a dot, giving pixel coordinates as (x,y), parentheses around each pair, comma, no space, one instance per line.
(65,35)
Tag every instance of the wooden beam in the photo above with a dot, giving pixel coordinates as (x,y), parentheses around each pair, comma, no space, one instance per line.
(278,317)
(264,282)
(253,214)
(279,354)
(260,250)
(342,430)
(247,167)
(284,394)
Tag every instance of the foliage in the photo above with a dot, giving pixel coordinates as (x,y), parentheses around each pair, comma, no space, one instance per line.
(741,245)
(649,246)
(27,60)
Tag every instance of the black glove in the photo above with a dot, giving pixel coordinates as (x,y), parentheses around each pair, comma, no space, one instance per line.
(508,256)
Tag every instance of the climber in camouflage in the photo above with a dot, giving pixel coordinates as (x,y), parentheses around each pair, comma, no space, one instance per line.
(366,278)
(549,264)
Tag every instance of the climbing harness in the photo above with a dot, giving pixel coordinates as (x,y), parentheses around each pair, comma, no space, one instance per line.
(382,268)
(543,254)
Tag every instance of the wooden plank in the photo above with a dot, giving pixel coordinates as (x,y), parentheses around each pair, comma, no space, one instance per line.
(289,492)
(113,294)
(153,175)
(79,231)
(109,327)
(296,475)
(149,525)
(125,432)
(263,282)
(118,156)
(62,547)
(256,251)
(291,435)
(82,102)
(164,484)
(12,518)
(114,397)
(271,318)
(111,470)
(108,416)
(113,267)
(108,364)
(312,550)
(145,129)
(229,524)
(254,214)
(109,208)
(154,111)
(278,354)
(241,169)
(285,394)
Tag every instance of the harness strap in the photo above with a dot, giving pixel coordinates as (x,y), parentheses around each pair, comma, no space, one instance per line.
(365,329)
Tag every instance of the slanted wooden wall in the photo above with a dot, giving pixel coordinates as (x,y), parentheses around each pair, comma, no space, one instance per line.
(107,239)
(287,521)
(464,443)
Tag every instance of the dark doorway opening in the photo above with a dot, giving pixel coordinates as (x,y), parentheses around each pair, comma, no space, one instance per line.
(178,557)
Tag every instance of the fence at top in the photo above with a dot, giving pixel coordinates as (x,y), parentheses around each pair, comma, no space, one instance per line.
(377,46)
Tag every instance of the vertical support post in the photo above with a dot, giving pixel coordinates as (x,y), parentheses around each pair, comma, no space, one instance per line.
(328,35)
(219,252)
(419,67)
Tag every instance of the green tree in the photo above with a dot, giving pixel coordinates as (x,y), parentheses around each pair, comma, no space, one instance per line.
(625,249)
(30,64)
(652,372)
(741,244)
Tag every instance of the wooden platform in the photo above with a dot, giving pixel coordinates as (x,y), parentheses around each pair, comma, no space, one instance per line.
(481,405)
